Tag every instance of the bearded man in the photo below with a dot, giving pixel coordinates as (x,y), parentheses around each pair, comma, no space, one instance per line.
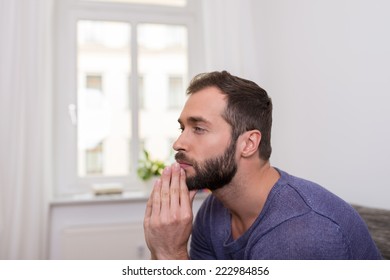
(255,211)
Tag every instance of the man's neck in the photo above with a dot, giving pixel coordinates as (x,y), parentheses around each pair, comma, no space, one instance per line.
(246,195)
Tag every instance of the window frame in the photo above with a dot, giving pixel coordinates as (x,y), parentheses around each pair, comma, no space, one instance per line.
(68,13)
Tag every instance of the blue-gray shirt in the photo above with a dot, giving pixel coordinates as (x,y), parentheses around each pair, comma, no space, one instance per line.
(300,220)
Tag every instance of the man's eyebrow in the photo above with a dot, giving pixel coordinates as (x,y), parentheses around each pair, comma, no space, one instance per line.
(195,119)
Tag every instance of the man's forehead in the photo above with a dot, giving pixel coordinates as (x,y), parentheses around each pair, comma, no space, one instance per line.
(208,99)
(204,106)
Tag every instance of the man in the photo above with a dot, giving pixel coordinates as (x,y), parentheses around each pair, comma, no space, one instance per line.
(255,211)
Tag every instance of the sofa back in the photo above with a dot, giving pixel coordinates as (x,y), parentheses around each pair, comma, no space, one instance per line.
(378,222)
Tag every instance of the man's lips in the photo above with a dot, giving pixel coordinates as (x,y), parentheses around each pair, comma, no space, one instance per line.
(184,164)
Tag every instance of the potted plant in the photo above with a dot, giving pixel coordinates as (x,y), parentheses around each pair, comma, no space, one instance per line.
(149,168)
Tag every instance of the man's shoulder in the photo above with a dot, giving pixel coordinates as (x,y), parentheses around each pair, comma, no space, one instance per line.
(321,202)
(313,195)
(305,214)
(308,236)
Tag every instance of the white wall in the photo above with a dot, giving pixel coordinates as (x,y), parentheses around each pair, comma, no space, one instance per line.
(326,65)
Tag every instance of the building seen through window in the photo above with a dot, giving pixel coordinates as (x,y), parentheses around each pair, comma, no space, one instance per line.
(105,93)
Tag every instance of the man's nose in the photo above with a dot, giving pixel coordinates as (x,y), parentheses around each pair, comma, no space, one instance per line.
(180,143)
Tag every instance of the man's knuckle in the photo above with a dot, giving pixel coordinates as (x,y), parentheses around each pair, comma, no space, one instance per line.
(187,217)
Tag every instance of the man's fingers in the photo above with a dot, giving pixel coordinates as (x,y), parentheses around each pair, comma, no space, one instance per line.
(148,209)
(175,187)
(168,215)
(165,186)
(185,200)
(156,199)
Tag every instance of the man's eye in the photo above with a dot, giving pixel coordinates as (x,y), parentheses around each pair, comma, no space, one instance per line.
(199,130)
(181,129)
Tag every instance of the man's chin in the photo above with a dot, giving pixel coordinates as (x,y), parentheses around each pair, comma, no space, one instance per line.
(192,184)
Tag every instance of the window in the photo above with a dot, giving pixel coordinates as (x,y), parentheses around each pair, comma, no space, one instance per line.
(121,76)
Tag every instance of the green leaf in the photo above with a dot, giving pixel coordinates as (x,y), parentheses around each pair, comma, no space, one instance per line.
(147,168)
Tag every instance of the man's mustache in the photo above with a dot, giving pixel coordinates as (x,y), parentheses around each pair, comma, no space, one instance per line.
(180,156)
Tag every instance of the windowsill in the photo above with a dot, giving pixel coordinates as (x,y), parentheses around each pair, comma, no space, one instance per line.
(91,198)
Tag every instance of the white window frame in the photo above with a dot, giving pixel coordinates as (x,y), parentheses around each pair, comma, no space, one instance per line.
(68,12)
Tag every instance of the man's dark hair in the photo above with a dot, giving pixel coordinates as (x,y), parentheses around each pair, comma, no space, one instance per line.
(248,105)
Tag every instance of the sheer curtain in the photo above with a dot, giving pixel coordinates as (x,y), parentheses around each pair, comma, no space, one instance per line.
(229,34)
(25,126)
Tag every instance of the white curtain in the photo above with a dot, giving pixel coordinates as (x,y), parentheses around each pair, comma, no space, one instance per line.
(25,126)
(229,34)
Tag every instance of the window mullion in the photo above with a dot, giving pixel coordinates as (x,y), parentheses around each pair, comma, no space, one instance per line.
(134,98)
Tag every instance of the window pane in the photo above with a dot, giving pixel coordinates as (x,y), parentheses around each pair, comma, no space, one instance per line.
(162,64)
(175,92)
(104,120)
(178,3)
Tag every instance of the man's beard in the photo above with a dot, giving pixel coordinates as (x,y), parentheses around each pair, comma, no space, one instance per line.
(214,173)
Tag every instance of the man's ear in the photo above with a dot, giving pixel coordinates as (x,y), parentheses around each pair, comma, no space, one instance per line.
(250,142)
